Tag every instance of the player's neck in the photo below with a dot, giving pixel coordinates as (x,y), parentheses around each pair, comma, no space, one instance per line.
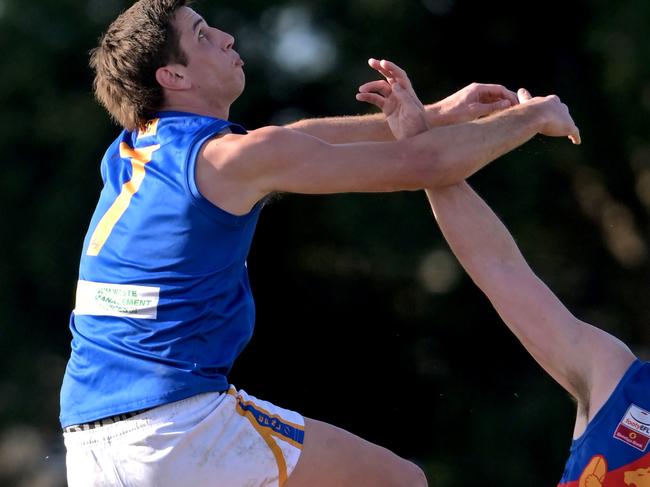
(206,109)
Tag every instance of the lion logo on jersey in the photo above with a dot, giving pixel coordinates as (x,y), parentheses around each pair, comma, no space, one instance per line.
(594,473)
(638,478)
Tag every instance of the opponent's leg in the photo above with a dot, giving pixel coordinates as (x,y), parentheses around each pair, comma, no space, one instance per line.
(332,457)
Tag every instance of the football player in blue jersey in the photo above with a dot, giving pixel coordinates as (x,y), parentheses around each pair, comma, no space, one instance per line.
(163,304)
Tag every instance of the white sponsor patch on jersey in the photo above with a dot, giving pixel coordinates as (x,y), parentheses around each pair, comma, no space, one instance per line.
(634,428)
(102,299)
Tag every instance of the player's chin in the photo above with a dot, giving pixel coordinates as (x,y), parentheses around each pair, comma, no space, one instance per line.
(242,84)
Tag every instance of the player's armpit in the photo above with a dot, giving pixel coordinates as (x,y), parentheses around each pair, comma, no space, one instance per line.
(609,359)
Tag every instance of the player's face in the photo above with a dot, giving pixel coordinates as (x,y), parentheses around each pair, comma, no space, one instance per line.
(214,67)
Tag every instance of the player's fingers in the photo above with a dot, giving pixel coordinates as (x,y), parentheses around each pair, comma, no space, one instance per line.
(384,68)
(376,65)
(523,95)
(393,69)
(378,86)
(372,98)
(373,63)
(501,92)
(575,136)
(491,93)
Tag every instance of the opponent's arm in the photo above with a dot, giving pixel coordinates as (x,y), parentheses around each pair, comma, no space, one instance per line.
(586,361)
(474,101)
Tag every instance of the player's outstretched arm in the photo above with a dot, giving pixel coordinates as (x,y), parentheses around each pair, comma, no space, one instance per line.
(585,360)
(473,101)
(234,171)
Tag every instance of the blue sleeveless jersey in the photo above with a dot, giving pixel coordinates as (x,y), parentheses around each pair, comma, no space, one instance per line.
(163,303)
(614,450)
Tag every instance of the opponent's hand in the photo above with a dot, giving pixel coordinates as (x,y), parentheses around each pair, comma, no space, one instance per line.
(558,120)
(474,101)
(395,97)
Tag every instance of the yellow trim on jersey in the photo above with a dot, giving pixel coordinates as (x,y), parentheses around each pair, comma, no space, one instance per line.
(149,129)
(139,158)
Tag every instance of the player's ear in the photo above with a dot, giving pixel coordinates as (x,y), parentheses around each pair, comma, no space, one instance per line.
(173,77)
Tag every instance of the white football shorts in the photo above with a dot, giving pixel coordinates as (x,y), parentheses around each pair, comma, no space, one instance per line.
(225,439)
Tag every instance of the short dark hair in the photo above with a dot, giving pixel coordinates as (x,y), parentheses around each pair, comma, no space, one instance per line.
(137,43)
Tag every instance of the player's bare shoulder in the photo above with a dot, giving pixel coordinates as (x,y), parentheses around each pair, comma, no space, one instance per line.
(240,155)
(229,166)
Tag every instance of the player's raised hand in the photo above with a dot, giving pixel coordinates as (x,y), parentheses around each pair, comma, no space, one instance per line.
(559,121)
(395,97)
(474,101)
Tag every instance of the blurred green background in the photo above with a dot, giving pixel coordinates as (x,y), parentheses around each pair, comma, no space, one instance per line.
(364,318)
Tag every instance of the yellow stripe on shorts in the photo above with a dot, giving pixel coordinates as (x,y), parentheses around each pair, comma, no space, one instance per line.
(269,425)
